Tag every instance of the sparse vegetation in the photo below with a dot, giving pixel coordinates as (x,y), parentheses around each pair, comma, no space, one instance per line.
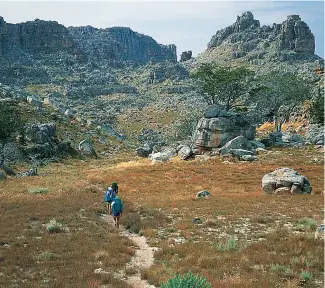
(189,280)
(159,205)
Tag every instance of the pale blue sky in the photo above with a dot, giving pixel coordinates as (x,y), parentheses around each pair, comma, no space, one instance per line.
(187,24)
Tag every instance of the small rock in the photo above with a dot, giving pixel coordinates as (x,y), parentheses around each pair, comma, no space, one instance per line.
(197,221)
(203,194)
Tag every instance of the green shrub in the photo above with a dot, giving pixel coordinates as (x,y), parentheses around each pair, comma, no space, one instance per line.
(10,120)
(316,110)
(54,227)
(281,269)
(229,244)
(189,280)
(47,256)
(306,224)
(305,275)
(38,190)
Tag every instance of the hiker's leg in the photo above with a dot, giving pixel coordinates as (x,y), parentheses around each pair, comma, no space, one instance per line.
(115,220)
(118,221)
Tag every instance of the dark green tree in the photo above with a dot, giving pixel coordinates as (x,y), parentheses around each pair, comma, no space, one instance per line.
(10,120)
(278,94)
(225,86)
(316,110)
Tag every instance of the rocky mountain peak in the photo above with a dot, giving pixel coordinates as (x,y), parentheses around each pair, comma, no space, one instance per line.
(292,39)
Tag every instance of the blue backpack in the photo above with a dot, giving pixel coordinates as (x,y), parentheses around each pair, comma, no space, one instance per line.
(117,205)
(109,195)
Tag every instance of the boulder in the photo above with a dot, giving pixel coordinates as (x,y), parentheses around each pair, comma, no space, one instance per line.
(216,132)
(239,142)
(257,144)
(159,157)
(203,194)
(315,134)
(319,233)
(249,158)
(185,152)
(87,147)
(144,151)
(288,178)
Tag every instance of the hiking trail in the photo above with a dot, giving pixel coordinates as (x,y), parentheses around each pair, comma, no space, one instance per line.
(142,259)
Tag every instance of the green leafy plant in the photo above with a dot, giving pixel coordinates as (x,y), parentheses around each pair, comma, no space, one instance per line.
(228,245)
(305,275)
(54,227)
(306,224)
(189,280)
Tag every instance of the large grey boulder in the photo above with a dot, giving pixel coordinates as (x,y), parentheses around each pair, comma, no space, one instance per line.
(159,157)
(185,152)
(222,127)
(143,151)
(87,147)
(285,177)
(239,142)
(315,134)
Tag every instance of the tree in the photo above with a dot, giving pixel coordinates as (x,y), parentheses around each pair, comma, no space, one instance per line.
(10,120)
(316,110)
(225,86)
(278,94)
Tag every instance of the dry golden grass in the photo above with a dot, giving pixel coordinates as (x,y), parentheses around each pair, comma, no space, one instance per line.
(267,249)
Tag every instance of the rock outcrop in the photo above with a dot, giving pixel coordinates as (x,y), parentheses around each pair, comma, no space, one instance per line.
(121,44)
(218,127)
(292,39)
(285,180)
(116,44)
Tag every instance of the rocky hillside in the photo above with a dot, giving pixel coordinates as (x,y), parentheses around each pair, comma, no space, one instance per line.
(289,45)
(116,83)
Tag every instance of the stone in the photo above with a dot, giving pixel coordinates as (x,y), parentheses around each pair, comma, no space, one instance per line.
(216,132)
(86,146)
(197,220)
(282,191)
(159,157)
(203,194)
(260,151)
(257,144)
(186,55)
(319,233)
(144,151)
(185,152)
(69,113)
(249,158)
(287,178)
(237,143)
(315,134)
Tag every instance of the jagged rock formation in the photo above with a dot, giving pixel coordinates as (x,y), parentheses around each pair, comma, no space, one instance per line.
(115,44)
(186,55)
(290,40)
(35,37)
(122,44)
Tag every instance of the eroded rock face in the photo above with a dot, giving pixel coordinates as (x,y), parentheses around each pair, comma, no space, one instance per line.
(246,34)
(216,132)
(35,36)
(295,35)
(121,43)
(285,180)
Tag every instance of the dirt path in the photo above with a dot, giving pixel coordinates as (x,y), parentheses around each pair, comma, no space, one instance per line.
(142,259)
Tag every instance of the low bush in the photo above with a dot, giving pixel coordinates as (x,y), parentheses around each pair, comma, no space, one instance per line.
(189,280)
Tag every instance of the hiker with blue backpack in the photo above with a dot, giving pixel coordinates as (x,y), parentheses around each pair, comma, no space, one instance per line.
(110,194)
(117,209)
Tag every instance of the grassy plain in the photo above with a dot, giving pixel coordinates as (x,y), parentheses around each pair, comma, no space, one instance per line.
(246,239)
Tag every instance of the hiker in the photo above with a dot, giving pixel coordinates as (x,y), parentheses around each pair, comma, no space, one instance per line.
(110,194)
(117,209)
